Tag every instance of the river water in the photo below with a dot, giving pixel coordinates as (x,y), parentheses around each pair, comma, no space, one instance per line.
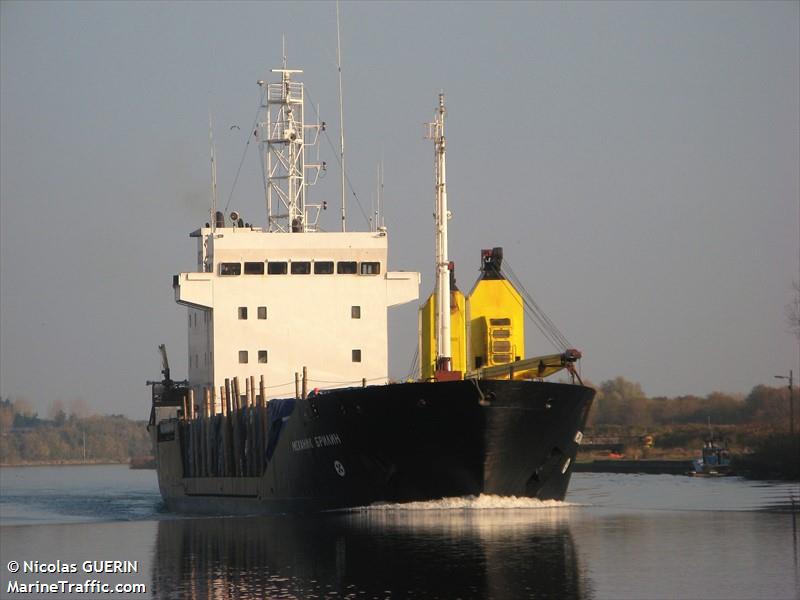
(616,536)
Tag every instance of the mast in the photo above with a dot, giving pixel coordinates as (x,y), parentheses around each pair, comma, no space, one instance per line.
(341,114)
(441,216)
(380,199)
(213,220)
(284,135)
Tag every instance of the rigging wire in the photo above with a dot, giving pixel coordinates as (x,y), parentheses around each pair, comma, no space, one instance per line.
(414,367)
(250,136)
(338,160)
(538,314)
(542,321)
(536,321)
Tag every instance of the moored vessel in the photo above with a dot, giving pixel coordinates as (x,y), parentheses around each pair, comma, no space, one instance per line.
(288,406)
(714,459)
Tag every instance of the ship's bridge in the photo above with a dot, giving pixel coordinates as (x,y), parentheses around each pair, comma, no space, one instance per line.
(266,303)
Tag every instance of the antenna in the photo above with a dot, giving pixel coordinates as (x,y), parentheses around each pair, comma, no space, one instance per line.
(373,214)
(380,195)
(376,209)
(213,219)
(341,113)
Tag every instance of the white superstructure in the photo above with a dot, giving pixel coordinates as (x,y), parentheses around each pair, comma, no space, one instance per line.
(270,301)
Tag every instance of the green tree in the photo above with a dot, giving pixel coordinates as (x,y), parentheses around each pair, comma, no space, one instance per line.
(768,405)
(621,402)
(6,415)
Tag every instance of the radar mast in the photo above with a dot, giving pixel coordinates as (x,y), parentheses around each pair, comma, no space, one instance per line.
(283,140)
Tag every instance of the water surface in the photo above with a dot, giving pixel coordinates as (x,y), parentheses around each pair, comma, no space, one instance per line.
(616,536)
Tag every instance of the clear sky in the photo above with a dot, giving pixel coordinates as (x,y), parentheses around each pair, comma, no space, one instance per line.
(639,162)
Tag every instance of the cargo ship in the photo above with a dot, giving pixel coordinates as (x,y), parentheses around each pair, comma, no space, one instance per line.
(288,406)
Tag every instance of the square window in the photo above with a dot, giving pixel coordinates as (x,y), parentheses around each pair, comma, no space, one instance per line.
(243,357)
(356,355)
(242,312)
(262,356)
(262,312)
(323,267)
(277,268)
(254,268)
(370,268)
(301,268)
(230,268)
(355,312)
(346,267)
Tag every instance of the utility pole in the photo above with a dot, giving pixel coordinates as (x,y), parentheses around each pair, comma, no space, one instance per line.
(793,441)
(791,400)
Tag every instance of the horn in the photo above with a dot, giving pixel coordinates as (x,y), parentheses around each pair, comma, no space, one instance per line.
(234,216)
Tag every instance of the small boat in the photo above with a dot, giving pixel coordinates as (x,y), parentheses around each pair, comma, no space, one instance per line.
(715,459)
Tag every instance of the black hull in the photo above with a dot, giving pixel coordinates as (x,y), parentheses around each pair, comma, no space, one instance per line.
(399,443)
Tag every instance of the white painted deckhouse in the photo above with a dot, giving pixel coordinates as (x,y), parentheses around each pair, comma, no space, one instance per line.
(272,300)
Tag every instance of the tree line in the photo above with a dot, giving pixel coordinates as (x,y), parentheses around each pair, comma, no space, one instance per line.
(623,403)
(619,403)
(27,438)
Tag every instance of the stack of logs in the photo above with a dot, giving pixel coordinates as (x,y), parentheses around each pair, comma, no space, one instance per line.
(229,443)
(233,441)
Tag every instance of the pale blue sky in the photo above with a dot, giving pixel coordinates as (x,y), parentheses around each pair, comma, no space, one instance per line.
(639,162)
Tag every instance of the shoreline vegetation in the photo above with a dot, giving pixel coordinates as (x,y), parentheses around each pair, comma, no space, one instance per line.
(28,440)
(64,463)
(631,426)
(624,424)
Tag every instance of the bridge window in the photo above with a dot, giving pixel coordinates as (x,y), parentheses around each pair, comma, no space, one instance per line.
(355,312)
(277,268)
(262,356)
(301,268)
(243,357)
(346,267)
(323,267)
(262,312)
(242,313)
(254,268)
(356,355)
(230,268)
(370,268)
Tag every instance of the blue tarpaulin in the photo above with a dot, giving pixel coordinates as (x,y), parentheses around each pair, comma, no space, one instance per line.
(278,412)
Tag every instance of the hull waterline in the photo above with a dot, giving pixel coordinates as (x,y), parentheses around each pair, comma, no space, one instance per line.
(393,443)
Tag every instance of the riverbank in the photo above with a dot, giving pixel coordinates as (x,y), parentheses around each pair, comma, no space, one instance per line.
(650,467)
(63,463)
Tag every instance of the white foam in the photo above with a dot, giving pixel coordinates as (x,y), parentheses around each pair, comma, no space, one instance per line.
(470,503)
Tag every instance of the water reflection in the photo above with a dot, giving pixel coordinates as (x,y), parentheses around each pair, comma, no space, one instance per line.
(375,553)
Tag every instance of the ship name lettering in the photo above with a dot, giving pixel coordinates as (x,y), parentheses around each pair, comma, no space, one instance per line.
(327,439)
(319,441)
(304,444)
